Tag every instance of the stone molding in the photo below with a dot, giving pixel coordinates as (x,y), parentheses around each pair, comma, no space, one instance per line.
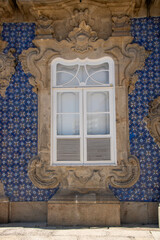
(128,58)
(153,120)
(7,67)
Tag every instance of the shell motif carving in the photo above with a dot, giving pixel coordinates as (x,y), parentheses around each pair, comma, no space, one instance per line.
(80,36)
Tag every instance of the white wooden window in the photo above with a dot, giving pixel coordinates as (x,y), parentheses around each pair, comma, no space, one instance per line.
(83,112)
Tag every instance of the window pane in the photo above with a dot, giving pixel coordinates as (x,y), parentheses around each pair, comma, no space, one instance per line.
(99,74)
(68,124)
(68,102)
(66,75)
(68,149)
(98,149)
(98,102)
(98,124)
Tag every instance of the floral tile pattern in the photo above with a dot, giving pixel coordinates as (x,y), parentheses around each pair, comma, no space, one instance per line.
(18,125)
(146,32)
(18,119)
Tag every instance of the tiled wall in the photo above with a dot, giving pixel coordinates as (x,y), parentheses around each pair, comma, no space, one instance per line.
(18,120)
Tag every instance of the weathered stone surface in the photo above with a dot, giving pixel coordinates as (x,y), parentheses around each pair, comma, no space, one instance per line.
(4,211)
(28,212)
(139,213)
(6,9)
(147,8)
(85,214)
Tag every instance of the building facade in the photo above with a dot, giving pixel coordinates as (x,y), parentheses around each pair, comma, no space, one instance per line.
(80,112)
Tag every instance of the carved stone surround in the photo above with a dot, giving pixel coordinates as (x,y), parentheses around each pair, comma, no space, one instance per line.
(82,41)
(153,120)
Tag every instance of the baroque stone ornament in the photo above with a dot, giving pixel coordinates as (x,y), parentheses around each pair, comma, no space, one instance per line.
(40,175)
(83,42)
(153,120)
(80,36)
(7,67)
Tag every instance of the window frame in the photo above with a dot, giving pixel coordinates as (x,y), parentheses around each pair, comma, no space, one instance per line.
(83,127)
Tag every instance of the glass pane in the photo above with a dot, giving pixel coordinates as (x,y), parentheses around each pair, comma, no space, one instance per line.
(98,124)
(98,149)
(68,124)
(66,75)
(67,102)
(99,74)
(97,101)
(68,149)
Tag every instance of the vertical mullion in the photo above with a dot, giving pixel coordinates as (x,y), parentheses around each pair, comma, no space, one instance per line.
(81,124)
(84,126)
(111,106)
(54,119)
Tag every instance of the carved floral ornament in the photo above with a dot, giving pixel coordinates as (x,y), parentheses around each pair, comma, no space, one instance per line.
(82,42)
(153,120)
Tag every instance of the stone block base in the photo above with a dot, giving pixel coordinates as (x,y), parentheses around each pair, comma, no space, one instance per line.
(4,209)
(85,214)
(83,210)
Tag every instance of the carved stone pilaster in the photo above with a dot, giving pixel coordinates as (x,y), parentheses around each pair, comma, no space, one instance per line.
(121,25)
(2,193)
(44,27)
(153,120)
(7,67)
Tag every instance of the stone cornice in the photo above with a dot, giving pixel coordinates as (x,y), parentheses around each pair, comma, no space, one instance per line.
(56,10)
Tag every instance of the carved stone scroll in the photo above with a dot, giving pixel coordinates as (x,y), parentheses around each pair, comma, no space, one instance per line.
(40,175)
(153,120)
(7,67)
(127,175)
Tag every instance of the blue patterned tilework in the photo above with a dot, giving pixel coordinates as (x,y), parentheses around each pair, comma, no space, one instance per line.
(146,32)
(18,120)
(18,123)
